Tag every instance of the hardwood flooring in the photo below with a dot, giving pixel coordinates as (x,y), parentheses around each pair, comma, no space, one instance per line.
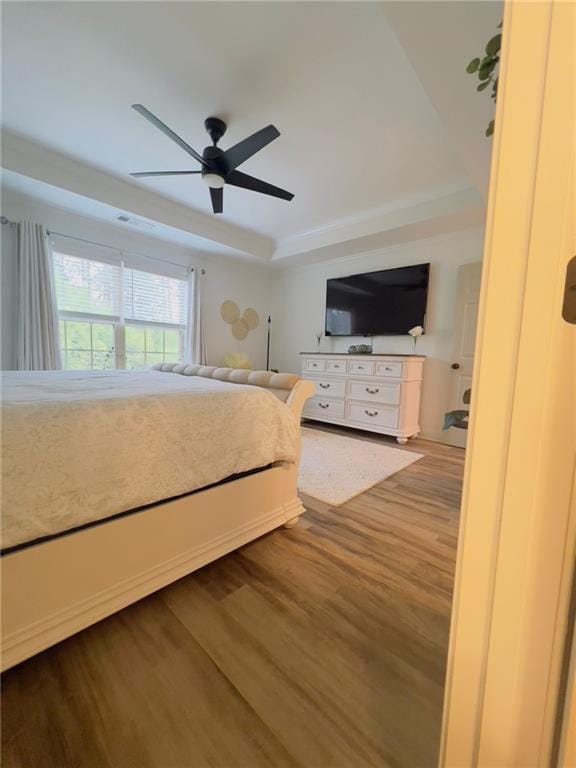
(320,646)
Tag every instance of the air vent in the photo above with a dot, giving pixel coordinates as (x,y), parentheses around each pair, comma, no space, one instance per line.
(135,222)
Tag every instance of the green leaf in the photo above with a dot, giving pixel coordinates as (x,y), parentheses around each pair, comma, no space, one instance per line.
(473,66)
(486,69)
(489,132)
(483,85)
(493,45)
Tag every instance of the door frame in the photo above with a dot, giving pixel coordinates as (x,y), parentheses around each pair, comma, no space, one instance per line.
(517,538)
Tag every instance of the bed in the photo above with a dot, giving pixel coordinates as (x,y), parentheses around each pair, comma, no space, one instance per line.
(116,483)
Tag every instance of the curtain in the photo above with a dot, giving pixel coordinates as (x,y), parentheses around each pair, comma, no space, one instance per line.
(195,342)
(38,342)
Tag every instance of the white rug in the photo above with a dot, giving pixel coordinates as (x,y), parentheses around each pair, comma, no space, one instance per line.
(334,468)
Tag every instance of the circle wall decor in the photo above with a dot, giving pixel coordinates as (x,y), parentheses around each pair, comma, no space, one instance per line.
(250,317)
(230,312)
(240,329)
(240,326)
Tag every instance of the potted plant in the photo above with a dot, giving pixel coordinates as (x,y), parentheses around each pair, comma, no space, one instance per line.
(458,418)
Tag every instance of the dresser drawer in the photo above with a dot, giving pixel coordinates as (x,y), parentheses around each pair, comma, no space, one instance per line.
(312,364)
(336,366)
(392,370)
(329,387)
(324,406)
(361,367)
(370,413)
(388,394)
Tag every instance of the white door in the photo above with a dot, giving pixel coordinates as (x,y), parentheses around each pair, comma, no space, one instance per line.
(462,362)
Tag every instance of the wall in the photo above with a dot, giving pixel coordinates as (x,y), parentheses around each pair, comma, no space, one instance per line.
(299,305)
(250,285)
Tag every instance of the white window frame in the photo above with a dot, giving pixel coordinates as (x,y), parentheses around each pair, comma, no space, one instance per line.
(145,324)
(118,322)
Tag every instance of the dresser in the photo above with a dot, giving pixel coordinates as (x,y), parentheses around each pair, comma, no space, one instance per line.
(378,393)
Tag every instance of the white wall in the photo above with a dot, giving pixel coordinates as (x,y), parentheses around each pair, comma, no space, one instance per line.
(226,278)
(300,297)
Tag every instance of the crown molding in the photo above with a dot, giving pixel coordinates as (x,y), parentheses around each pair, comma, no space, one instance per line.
(369,231)
(414,219)
(35,161)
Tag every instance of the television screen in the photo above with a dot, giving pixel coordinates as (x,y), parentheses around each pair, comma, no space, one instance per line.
(385,303)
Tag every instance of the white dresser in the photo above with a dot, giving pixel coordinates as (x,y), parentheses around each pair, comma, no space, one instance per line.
(379,393)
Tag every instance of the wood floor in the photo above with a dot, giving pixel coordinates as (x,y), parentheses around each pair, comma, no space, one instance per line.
(320,646)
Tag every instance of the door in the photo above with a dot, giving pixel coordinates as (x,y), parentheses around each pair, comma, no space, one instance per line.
(517,543)
(462,361)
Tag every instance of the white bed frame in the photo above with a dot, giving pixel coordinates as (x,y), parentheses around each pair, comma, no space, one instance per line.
(53,589)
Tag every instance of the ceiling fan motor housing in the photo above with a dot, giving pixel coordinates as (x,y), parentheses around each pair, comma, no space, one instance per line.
(217,162)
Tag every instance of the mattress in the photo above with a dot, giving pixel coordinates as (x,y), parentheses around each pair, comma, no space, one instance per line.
(78,447)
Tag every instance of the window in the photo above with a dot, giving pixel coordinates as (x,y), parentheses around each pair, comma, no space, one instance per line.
(147,345)
(113,316)
(87,345)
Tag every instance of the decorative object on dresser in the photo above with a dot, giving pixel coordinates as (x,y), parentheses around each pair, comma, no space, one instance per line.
(380,394)
(360,349)
(415,332)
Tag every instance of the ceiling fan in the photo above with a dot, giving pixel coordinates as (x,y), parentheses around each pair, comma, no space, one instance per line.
(218,165)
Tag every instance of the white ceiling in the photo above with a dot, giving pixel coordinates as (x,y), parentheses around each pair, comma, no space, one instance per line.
(358,130)
(446,37)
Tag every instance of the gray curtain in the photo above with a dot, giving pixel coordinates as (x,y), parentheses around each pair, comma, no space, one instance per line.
(38,343)
(196,343)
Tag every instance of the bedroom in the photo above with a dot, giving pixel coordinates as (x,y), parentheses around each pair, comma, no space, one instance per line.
(167,564)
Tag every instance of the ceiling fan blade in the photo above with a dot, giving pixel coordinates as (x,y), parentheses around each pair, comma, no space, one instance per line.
(248,147)
(217,197)
(144,174)
(157,123)
(239,179)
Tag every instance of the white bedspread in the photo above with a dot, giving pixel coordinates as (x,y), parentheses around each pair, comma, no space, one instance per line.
(81,446)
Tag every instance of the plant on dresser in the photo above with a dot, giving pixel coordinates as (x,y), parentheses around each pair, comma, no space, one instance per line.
(378,393)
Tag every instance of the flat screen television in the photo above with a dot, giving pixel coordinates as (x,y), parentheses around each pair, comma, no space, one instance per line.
(385,303)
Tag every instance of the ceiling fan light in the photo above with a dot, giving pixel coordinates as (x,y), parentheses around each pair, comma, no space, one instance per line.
(213,180)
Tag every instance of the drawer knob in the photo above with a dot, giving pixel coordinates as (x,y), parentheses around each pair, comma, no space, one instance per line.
(324,386)
(324,405)
(387,368)
(371,413)
(455,366)
(360,367)
(372,391)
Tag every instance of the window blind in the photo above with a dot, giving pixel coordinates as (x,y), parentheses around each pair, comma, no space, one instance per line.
(152,298)
(86,286)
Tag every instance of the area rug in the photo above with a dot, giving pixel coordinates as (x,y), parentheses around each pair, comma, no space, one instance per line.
(334,468)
